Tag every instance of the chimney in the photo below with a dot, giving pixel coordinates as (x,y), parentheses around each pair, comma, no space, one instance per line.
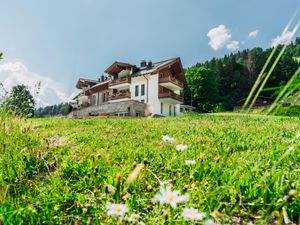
(143,63)
(102,78)
(149,65)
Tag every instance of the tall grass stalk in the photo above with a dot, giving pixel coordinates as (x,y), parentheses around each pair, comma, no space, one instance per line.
(261,74)
(267,77)
(259,79)
(280,95)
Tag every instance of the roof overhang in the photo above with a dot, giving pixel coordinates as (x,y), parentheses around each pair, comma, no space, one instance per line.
(117,67)
(176,65)
(85,83)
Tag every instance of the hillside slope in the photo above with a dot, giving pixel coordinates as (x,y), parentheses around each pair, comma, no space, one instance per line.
(66,171)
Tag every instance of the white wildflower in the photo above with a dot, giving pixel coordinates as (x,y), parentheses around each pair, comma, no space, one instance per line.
(134,217)
(190,162)
(166,196)
(298,135)
(192,214)
(116,209)
(210,222)
(109,188)
(84,210)
(181,147)
(168,138)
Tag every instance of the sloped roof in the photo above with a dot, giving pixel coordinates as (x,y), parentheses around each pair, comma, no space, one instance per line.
(155,66)
(116,67)
(95,87)
(85,82)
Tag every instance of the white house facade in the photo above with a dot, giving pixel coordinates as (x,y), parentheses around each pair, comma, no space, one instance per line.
(150,89)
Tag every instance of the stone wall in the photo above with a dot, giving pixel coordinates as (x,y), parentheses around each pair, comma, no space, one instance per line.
(131,107)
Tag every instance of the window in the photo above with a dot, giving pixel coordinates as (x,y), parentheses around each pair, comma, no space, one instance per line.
(143,89)
(161,75)
(181,109)
(170,110)
(103,97)
(174,109)
(137,114)
(143,100)
(136,90)
(161,108)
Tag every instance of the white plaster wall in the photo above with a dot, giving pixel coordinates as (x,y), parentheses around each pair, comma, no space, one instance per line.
(96,98)
(153,104)
(166,104)
(178,113)
(138,81)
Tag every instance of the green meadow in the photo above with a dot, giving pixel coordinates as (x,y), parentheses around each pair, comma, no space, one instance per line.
(65,171)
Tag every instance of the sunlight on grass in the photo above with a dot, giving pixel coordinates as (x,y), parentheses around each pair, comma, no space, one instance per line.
(105,171)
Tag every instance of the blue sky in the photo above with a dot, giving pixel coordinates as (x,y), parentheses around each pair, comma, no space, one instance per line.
(56,42)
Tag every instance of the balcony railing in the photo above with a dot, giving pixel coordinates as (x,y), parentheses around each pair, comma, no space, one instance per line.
(119,95)
(165,93)
(122,80)
(171,79)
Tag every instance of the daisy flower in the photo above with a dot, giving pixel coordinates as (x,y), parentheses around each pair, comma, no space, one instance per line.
(166,196)
(134,217)
(192,214)
(116,209)
(167,138)
(181,147)
(190,162)
(210,222)
(109,189)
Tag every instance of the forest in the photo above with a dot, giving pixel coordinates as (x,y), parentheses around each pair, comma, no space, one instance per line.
(61,109)
(220,83)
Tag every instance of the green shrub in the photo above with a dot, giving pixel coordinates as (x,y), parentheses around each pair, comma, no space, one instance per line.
(293,110)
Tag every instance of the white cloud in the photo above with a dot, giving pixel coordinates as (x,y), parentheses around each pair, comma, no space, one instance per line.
(15,72)
(253,34)
(285,37)
(233,45)
(220,38)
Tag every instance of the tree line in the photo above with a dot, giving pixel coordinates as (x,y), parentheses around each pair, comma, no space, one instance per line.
(219,84)
(61,109)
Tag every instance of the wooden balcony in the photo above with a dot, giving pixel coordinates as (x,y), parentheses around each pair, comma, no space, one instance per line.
(166,93)
(120,95)
(120,81)
(171,82)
